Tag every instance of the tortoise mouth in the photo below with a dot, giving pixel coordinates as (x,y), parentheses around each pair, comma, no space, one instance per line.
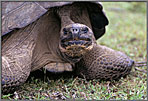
(68,44)
(75,48)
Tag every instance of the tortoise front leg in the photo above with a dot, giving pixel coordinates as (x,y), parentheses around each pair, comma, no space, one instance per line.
(14,73)
(16,59)
(104,63)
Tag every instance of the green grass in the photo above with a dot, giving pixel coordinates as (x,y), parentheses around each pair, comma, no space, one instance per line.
(127,33)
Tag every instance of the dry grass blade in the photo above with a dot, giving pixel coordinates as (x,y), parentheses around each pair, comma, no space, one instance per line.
(140,64)
(141,70)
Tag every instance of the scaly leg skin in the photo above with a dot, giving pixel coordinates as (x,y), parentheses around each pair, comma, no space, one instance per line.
(16,59)
(104,63)
(14,73)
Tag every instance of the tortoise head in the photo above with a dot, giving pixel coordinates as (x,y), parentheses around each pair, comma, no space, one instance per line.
(75,40)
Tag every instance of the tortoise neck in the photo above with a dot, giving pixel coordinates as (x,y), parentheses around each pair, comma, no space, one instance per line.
(68,59)
(64,14)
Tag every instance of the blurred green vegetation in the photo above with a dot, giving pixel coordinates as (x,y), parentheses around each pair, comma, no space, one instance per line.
(127,29)
(137,7)
(126,32)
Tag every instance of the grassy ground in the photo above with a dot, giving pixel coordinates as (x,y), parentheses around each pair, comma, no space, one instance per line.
(127,33)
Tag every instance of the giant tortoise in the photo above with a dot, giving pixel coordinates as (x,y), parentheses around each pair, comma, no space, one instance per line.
(58,36)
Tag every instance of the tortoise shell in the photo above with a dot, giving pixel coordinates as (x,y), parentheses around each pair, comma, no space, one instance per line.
(16,15)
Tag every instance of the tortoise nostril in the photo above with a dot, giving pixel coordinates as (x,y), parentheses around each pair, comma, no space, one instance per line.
(75,30)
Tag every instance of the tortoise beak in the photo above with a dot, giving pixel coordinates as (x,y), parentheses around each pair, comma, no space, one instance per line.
(76,40)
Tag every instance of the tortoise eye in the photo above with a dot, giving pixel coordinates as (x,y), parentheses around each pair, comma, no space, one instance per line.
(65,31)
(85,30)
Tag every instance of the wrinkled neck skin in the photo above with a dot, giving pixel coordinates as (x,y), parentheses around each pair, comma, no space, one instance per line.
(46,49)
